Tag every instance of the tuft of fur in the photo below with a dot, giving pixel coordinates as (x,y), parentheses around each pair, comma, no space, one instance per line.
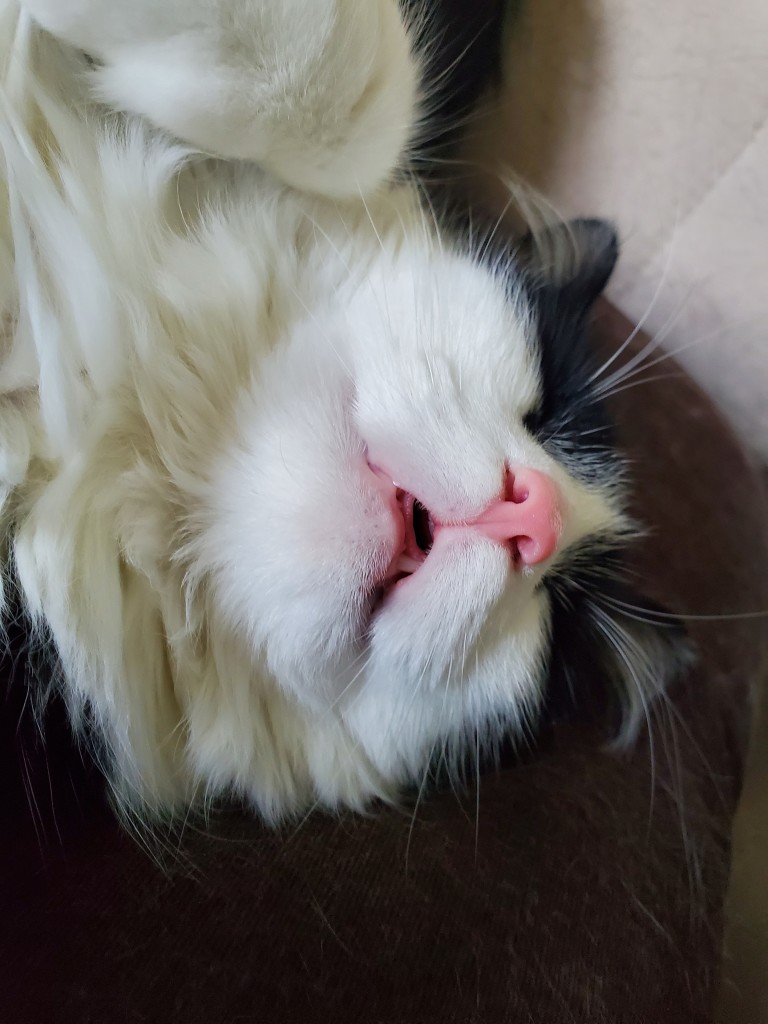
(200,359)
(322,94)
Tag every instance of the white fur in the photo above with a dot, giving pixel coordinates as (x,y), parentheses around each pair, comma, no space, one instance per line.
(198,358)
(322,92)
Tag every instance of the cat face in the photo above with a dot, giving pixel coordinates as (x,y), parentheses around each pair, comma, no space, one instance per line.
(396,503)
(297,514)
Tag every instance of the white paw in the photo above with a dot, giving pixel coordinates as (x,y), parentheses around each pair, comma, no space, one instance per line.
(321,92)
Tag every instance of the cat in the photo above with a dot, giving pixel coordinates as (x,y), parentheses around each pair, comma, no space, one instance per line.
(304,485)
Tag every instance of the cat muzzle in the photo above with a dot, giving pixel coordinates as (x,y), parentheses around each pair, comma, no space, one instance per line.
(528,519)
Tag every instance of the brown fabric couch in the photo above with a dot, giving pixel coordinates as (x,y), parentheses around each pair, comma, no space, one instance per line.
(576,886)
(579,886)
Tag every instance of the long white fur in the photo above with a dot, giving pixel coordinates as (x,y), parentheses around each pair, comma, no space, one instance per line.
(198,354)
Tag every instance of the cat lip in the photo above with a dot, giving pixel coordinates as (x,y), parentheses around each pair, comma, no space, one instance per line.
(418,532)
(416,529)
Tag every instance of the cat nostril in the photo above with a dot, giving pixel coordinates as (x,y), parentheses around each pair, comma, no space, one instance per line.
(529,519)
(515,490)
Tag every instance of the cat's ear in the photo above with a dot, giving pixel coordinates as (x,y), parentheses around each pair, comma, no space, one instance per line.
(571,262)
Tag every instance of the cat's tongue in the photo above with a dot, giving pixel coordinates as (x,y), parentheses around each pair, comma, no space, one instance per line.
(404,565)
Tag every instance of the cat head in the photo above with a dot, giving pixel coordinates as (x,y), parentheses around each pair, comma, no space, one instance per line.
(424,487)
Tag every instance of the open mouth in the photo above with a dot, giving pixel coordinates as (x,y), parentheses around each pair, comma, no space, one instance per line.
(419,534)
(418,537)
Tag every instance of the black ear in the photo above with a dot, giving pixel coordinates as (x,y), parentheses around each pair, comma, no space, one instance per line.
(570,263)
(563,269)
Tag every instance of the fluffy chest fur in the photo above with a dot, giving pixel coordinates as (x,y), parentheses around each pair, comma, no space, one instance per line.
(274,484)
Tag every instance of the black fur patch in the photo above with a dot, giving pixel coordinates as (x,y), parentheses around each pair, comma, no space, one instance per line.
(570,421)
(461,42)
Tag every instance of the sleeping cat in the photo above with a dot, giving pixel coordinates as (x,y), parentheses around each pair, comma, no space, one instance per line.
(304,486)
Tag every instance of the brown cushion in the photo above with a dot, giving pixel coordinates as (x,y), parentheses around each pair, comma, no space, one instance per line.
(580,886)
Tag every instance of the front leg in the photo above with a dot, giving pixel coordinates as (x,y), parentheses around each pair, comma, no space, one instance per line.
(321,92)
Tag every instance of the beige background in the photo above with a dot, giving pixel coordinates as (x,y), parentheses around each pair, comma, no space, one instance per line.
(655,113)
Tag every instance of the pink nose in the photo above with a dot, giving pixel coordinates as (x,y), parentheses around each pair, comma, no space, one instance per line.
(530,516)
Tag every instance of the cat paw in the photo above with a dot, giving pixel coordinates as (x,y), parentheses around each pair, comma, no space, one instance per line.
(320,92)
(363,113)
